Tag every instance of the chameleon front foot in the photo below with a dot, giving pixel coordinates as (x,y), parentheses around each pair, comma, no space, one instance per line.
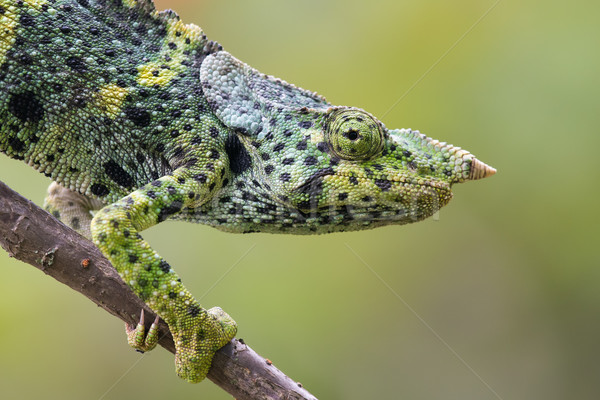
(197,338)
(141,340)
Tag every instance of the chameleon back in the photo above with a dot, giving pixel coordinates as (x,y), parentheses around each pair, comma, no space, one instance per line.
(95,94)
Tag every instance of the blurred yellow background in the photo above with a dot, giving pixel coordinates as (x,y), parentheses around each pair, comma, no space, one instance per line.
(497,299)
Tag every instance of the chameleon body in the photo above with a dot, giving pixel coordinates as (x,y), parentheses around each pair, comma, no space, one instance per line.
(138,116)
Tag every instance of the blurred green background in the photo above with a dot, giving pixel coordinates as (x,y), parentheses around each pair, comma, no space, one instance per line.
(508,276)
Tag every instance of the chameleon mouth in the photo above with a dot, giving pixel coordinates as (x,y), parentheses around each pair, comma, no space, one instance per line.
(315,182)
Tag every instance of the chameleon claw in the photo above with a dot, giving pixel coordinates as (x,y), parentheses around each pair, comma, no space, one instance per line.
(141,340)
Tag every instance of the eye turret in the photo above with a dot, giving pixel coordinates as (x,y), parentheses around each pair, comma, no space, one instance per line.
(353,134)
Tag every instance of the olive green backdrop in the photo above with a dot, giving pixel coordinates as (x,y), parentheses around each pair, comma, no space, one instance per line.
(499,294)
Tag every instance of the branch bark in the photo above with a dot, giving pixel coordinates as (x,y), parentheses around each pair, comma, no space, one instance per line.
(31,235)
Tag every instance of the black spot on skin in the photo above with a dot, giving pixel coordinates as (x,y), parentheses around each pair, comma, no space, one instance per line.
(138,116)
(75,224)
(99,189)
(214,132)
(193,310)
(76,64)
(323,147)
(214,154)
(353,180)
(305,124)
(140,158)
(285,177)
(366,199)
(383,184)
(310,160)
(133,258)
(269,169)
(17,144)
(169,210)
(26,20)
(202,178)
(342,196)
(239,159)
(26,107)
(301,146)
(278,147)
(164,267)
(115,172)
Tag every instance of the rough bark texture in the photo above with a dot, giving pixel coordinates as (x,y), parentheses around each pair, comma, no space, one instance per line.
(31,235)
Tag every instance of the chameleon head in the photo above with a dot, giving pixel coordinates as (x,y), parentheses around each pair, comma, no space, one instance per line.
(377,176)
(327,168)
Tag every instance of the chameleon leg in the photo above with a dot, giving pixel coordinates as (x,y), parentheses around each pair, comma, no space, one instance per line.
(71,208)
(198,333)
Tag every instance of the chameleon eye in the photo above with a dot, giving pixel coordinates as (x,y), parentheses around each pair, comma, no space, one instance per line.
(353,134)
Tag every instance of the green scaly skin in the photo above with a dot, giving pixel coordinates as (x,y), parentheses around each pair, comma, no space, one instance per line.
(134,113)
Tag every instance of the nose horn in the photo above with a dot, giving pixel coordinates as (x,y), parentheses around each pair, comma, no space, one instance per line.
(480,170)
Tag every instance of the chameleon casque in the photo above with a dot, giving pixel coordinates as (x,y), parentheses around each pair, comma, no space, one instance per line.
(139,118)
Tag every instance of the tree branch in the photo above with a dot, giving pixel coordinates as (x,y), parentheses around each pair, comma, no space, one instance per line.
(30,234)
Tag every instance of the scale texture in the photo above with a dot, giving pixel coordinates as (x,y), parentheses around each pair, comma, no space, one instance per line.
(138,118)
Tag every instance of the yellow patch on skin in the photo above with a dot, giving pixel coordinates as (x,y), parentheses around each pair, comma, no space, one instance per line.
(153,74)
(8,29)
(178,32)
(36,4)
(109,99)
(130,3)
(9,23)
(160,72)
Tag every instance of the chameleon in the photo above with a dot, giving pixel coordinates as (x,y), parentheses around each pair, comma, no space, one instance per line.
(138,118)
